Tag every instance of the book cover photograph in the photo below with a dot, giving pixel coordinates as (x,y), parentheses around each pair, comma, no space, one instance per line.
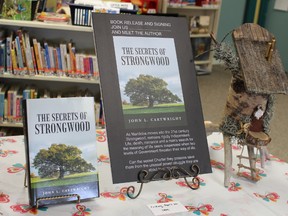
(150,87)
(150,95)
(60,139)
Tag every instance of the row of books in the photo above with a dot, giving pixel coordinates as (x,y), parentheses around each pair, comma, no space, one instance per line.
(20,55)
(180,3)
(202,3)
(11,98)
(81,10)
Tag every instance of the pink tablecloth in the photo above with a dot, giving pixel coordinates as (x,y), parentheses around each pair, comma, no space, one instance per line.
(269,196)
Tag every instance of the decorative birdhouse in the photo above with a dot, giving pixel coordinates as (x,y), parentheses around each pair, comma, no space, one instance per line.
(257,74)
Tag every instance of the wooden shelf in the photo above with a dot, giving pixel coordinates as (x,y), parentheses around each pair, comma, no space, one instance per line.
(13,125)
(199,35)
(44,25)
(203,62)
(50,78)
(185,7)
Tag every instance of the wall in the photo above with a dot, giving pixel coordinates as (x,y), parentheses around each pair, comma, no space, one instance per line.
(276,23)
(232,12)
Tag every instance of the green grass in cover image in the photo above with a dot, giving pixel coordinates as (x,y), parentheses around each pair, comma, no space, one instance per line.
(61,165)
(148,94)
(73,179)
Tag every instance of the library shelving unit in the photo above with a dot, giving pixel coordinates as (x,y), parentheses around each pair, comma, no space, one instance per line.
(200,41)
(54,34)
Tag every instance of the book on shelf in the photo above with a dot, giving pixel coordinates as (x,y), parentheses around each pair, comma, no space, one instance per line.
(60,140)
(19,55)
(2,57)
(14,104)
(29,54)
(1,5)
(18,9)
(181,3)
(63,53)
(13,54)
(201,48)
(41,6)
(9,40)
(199,24)
(3,90)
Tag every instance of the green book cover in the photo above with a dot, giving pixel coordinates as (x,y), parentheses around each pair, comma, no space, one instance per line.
(17,10)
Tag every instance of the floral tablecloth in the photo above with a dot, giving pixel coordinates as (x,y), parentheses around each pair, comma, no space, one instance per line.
(269,196)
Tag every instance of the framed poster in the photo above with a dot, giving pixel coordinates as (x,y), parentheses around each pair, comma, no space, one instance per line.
(150,94)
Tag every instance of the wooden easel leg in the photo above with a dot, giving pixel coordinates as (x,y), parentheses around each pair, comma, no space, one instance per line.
(228,160)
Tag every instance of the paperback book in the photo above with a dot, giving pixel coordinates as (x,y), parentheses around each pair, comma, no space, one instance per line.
(150,95)
(61,149)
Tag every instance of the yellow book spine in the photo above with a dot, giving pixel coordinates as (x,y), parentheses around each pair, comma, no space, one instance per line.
(37,56)
(14,61)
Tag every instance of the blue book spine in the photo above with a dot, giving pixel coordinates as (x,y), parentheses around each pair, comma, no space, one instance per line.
(2,98)
(26,94)
(8,55)
(19,53)
(2,57)
(5,60)
(59,59)
(91,67)
(47,57)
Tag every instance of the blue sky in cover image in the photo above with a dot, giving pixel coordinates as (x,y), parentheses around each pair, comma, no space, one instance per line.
(170,73)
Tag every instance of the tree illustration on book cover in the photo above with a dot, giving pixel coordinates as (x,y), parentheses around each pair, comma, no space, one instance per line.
(58,162)
(61,149)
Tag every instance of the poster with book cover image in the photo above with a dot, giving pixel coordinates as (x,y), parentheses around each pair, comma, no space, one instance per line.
(60,139)
(150,94)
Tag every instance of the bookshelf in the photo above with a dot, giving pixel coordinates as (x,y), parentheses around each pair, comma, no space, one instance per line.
(44,25)
(54,34)
(200,40)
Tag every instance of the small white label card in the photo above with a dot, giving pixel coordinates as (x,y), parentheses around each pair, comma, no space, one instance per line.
(167,208)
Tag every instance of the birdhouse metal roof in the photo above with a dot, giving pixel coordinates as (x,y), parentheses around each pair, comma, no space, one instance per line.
(260,61)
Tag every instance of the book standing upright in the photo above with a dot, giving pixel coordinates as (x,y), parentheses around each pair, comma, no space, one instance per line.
(60,138)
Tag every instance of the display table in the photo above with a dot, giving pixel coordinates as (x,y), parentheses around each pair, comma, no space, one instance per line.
(269,196)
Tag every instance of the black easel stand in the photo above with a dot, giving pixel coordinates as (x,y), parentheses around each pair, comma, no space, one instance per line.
(50,198)
(174,172)
(58,197)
